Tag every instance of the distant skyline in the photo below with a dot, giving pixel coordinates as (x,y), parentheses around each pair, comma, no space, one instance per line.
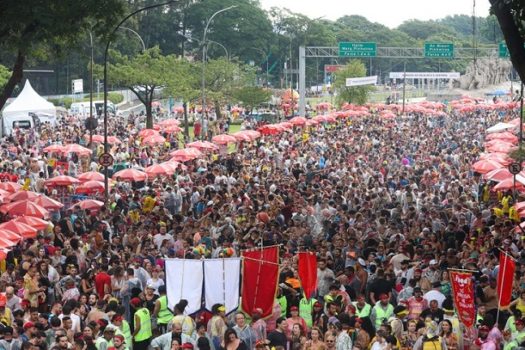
(388,12)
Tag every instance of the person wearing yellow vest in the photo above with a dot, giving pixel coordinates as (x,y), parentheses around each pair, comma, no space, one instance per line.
(122,328)
(519,336)
(161,311)
(6,316)
(431,340)
(142,325)
(306,307)
(362,308)
(381,311)
(119,342)
(105,342)
(281,299)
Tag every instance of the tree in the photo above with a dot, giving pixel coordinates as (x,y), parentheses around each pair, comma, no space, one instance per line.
(511,14)
(423,29)
(356,94)
(31,27)
(252,96)
(4,75)
(142,74)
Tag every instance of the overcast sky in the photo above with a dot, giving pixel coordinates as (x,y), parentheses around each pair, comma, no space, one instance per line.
(388,12)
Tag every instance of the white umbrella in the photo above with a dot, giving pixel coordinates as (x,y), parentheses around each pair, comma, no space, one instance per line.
(500,127)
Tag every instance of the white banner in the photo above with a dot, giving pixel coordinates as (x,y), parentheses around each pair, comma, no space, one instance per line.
(361,81)
(221,283)
(424,75)
(78,86)
(184,279)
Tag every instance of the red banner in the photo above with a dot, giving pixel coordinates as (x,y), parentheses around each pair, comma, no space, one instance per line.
(507,267)
(260,275)
(463,292)
(308,273)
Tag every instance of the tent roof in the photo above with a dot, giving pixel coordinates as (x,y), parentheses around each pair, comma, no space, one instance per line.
(29,101)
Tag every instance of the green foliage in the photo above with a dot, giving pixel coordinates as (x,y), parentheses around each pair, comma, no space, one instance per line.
(356,94)
(115,97)
(252,96)
(422,30)
(4,75)
(64,102)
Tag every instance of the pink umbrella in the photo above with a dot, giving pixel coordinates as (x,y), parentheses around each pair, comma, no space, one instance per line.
(241,136)
(54,149)
(203,145)
(223,139)
(484,166)
(169,122)
(91,186)
(10,186)
(6,243)
(501,147)
(19,228)
(148,132)
(159,170)
(186,154)
(25,207)
(10,235)
(96,138)
(89,204)
(130,175)
(113,140)
(74,148)
(498,174)
(48,203)
(91,176)
(504,136)
(286,125)
(508,184)
(62,180)
(172,129)
(37,223)
(154,140)
(298,121)
(253,133)
(174,165)
(22,195)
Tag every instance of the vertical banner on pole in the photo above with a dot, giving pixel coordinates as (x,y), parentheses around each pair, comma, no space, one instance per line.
(184,281)
(308,273)
(463,293)
(260,275)
(221,283)
(507,267)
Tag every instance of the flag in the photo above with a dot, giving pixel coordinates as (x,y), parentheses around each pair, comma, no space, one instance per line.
(463,293)
(184,280)
(260,274)
(308,273)
(221,283)
(506,270)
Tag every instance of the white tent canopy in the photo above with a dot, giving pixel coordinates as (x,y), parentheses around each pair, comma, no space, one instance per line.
(500,127)
(29,101)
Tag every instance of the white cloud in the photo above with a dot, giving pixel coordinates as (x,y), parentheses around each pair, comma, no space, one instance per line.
(388,12)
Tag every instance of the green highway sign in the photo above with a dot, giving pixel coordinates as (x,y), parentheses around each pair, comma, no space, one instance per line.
(436,50)
(503,50)
(347,49)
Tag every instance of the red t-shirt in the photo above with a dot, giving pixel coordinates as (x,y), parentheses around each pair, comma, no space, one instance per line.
(102,279)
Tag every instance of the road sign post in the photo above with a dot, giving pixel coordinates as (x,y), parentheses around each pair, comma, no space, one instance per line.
(105,160)
(349,49)
(514,168)
(439,50)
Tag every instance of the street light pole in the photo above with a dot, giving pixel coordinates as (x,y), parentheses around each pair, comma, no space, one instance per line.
(267,59)
(106,148)
(91,89)
(221,45)
(204,64)
(138,35)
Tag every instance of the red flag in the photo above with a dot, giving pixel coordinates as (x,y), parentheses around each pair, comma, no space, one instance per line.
(308,273)
(507,267)
(260,274)
(463,292)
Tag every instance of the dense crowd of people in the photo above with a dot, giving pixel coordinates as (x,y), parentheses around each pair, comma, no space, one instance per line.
(388,206)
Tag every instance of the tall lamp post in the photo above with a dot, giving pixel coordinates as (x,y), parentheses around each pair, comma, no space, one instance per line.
(204,62)
(106,148)
(91,88)
(267,59)
(138,36)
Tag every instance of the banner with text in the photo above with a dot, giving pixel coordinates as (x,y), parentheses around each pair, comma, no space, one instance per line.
(463,292)
(361,81)
(424,75)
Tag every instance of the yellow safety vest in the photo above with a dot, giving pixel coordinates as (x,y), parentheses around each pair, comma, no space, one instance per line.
(305,310)
(364,312)
(382,314)
(145,325)
(126,332)
(284,305)
(432,343)
(165,315)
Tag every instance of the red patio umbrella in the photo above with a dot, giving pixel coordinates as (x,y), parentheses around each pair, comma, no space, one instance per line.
(91,176)
(498,174)
(298,121)
(37,223)
(89,204)
(95,138)
(223,139)
(74,148)
(48,203)
(169,122)
(148,132)
(174,165)
(19,228)
(54,149)
(508,184)
(10,235)
(22,195)
(25,207)
(203,145)
(130,175)
(483,166)
(62,180)
(159,170)
(113,140)
(185,154)
(91,186)
(154,140)
(10,186)
(241,136)
(6,243)
(172,129)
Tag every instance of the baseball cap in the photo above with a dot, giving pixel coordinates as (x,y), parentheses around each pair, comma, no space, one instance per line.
(383,296)
(28,325)
(484,328)
(294,308)
(136,302)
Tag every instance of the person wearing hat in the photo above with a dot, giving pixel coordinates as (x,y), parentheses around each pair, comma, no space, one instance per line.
(106,341)
(164,341)
(6,316)
(362,308)
(142,321)
(435,294)
(217,324)
(119,342)
(396,321)
(519,336)
(122,328)
(293,319)
(430,340)
(416,304)
(161,311)
(306,308)
(483,341)
(381,311)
